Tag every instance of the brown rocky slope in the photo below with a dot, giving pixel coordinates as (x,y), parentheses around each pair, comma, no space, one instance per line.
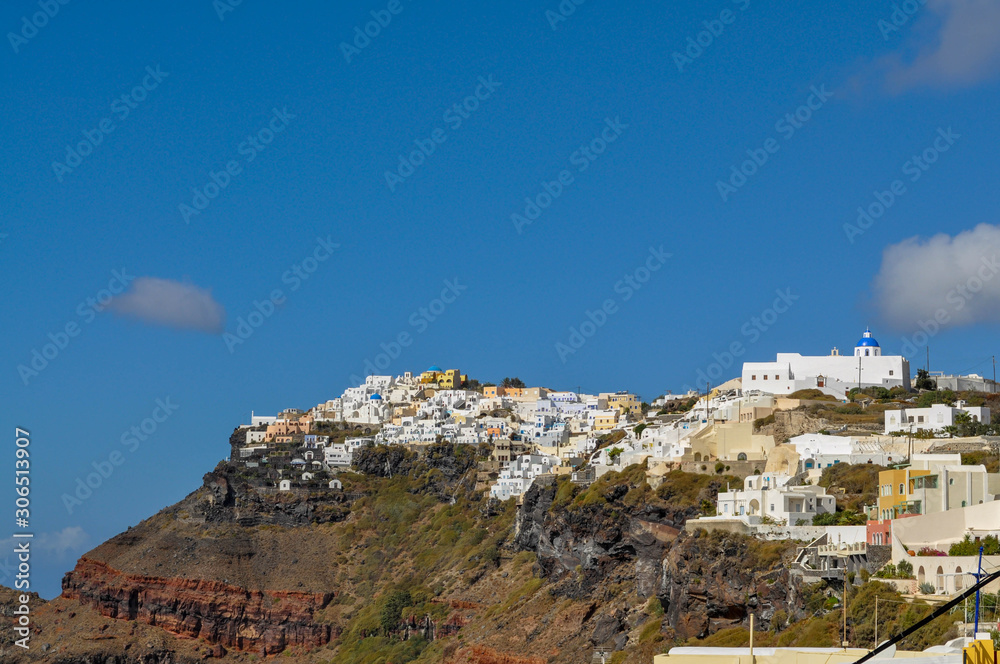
(416,567)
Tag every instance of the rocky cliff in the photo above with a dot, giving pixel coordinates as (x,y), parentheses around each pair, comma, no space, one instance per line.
(219,613)
(413,567)
(703,583)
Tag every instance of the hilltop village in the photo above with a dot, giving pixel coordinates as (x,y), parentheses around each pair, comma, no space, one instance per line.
(872,468)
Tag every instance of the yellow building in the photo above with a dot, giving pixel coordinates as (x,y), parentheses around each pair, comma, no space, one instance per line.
(446,380)
(894,488)
(605,422)
(623,401)
(451,380)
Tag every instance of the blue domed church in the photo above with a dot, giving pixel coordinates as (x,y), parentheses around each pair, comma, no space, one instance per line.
(833,374)
(867,347)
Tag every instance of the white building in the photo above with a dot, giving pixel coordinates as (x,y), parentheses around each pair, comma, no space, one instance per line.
(255,437)
(833,374)
(935,418)
(818,450)
(770,496)
(517,477)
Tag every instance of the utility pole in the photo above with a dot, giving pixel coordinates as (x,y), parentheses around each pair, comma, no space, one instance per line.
(845,608)
(979,577)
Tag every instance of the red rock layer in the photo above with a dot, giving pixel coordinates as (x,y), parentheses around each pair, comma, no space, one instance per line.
(217,612)
(482,655)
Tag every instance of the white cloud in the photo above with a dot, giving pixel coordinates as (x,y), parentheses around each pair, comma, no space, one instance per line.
(953,279)
(69,542)
(171,303)
(963,51)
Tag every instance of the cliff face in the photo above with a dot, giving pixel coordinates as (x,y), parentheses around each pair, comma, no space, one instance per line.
(598,539)
(703,583)
(219,613)
(232,572)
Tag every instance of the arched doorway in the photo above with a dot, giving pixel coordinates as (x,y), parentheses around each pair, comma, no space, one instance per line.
(741,456)
(754,506)
(958,579)
(921,577)
(940,579)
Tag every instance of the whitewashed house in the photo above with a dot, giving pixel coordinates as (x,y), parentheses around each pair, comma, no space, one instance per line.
(935,418)
(770,496)
(516,478)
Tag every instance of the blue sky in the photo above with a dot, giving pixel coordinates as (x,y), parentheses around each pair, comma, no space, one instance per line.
(641,125)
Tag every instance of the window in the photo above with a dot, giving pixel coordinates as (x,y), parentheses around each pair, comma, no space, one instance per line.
(772,506)
(951,481)
(901,491)
(765,376)
(891,372)
(920,418)
(753,377)
(866,352)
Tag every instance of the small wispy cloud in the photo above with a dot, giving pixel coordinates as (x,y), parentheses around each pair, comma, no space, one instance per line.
(953,44)
(956,279)
(172,304)
(69,542)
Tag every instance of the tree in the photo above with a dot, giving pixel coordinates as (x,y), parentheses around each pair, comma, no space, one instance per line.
(924,381)
(512,382)
(392,610)
(904,569)
(965,426)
